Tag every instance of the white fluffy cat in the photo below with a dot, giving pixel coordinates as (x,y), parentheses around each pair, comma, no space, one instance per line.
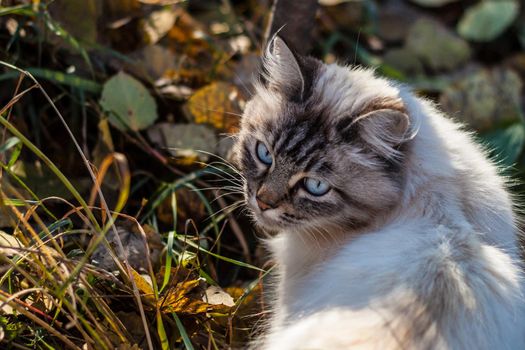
(390,227)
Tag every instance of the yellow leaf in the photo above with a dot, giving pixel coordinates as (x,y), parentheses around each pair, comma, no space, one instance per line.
(216,104)
(182,301)
(142,284)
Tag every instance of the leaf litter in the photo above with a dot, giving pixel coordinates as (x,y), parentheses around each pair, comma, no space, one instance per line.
(154,253)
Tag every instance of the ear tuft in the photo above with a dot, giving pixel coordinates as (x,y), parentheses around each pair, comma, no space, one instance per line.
(282,70)
(384,129)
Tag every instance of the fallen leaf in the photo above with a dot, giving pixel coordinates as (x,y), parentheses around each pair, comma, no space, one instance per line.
(143,284)
(485,99)
(436,46)
(217,105)
(186,294)
(157,24)
(180,301)
(404,60)
(184,141)
(151,62)
(216,295)
(128,103)
(486,20)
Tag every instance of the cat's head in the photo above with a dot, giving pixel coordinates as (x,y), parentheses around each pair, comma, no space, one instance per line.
(320,145)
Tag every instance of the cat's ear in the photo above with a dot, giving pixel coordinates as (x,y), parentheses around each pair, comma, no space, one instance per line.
(383,129)
(281,69)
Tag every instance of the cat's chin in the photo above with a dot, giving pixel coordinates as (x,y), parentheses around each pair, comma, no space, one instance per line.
(269,225)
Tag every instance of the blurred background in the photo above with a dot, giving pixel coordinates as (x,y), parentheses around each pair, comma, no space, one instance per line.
(143,242)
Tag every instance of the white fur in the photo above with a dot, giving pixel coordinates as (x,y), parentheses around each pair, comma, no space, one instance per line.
(442,271)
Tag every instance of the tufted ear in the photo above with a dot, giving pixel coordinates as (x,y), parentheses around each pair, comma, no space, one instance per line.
(384,130)
(281,69)
(382,125)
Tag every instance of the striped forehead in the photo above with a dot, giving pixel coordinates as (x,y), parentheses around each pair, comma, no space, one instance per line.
(299,139)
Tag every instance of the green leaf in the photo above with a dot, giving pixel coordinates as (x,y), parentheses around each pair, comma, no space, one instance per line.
(128,102)
(187,142)
(436,46)
(486,99)
(486,20)
(507,143)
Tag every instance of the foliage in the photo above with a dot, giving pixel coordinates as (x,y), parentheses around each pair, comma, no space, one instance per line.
(119,225)
(128,103)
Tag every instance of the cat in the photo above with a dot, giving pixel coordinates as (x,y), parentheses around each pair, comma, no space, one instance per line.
(389,226)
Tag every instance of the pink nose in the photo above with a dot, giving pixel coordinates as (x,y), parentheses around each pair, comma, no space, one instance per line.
(263,205)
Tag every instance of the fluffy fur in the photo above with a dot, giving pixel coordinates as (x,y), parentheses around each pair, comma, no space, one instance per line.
(415,244)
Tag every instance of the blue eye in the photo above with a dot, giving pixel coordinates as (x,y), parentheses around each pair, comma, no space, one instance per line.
(316,187)
(263,154)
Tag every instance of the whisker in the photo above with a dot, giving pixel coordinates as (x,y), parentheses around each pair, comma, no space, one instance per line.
(230,208)
(222,171)
(213,155)
(218,188)
(227,194)
(229,166)
(204,108)
(251,93)
(227,180)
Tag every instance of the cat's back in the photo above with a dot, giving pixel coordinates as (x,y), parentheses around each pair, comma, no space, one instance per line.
(415,285)
(452,172)
(443,274)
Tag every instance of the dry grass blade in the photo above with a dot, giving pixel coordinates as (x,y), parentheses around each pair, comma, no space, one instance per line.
(84,260)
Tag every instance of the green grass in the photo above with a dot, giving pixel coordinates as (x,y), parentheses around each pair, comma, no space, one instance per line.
(53,297)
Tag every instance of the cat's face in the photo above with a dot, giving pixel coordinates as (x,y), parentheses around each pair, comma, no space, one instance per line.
(320,145)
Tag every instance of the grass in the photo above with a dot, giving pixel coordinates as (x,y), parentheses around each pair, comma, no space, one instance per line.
(53,296)
(79,197)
